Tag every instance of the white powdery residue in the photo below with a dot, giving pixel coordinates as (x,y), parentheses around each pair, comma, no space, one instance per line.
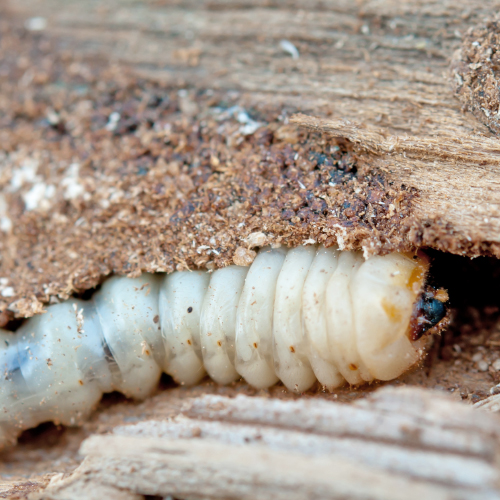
(289,47)
(38,195)
(35,24)
(202,247)
(25,173)
(5,224)
(72,182)
(340,237)
(310,241)
(113,120)
(4,281)
(8,292)
(249,126)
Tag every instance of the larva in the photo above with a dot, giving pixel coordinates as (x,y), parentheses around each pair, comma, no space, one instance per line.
(299,315)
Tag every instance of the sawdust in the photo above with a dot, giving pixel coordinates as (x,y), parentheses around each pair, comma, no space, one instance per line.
(104,174)
(475,73)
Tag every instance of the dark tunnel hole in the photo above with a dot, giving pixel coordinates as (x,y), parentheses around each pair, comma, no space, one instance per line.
(473,287)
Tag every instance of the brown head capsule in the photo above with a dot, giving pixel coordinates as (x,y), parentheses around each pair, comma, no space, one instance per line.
(430,313)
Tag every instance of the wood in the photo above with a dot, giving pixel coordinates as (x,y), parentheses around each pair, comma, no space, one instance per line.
(378,69)
(382,64)
(457,178)
(398,440)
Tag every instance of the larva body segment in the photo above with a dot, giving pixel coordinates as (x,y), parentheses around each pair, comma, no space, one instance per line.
(385,293)
(126,310)
(254,320)
(291,353)
(181,297)
(218,323)
(315,319)
(341,321)
(296,315)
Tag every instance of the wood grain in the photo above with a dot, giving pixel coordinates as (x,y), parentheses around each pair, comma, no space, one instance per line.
(399,442)
(380,64)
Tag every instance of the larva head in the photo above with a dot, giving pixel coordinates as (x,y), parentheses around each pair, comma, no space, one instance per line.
(395,310)
(430,314)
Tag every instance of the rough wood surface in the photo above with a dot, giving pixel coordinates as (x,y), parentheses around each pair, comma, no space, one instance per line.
(457,178)
(124,196)
(398,443)
(381,63)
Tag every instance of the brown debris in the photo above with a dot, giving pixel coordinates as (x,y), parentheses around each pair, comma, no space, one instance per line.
(131,184)
(455,181)
(475,73)
(243,256)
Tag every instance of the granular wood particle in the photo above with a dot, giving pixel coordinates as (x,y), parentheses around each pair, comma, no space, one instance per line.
(475,72)
(105,173)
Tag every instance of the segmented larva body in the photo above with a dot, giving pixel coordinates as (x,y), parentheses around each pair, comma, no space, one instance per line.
(294,315)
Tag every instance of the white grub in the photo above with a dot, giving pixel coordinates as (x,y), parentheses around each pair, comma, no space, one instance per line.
(300,315)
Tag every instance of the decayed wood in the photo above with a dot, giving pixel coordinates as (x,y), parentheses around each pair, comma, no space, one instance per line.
(87,488)
(457,178)
(145,192)
(398,443)
(381,63)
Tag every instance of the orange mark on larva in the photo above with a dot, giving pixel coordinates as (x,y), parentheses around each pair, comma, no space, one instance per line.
(189,342)
(353,367)
(80,382)
(292,349)
(417,276)
(392,311)
(255,345)
(219,343)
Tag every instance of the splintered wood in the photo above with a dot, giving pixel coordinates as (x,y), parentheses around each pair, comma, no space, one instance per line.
(397,443)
